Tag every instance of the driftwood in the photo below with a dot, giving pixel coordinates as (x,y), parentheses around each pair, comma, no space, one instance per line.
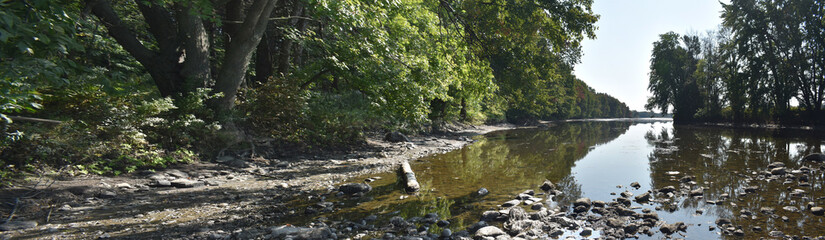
(410,183)
(30,119)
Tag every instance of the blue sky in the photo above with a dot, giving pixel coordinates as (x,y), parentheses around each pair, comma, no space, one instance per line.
(617,61)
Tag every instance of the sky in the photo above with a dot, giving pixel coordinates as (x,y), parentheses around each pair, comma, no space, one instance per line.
(617,62)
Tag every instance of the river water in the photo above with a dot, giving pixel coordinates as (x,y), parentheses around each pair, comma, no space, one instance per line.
(600,159)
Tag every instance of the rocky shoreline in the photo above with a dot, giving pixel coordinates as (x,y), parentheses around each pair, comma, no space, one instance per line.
(249,198)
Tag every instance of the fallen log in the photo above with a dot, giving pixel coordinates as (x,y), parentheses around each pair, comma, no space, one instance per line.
(31,119)
(410,183)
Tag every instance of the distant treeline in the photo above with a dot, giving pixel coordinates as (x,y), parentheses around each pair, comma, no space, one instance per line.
(765,64)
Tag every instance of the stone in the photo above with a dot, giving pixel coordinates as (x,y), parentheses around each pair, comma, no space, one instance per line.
(814,157)
(626,194)
(287,231)
(17,225)
(766,210)
(123,185)
(643,198)
(697,192)
(635,185)
(511,203)
(482,192)
(446,233)
(819,211)
(582,202)
(107,194)
(669,229)
(442,223)
(476,226)
(536,206)
(790,209)
(186,183)
(778,171)
(586,232)
(722,221)
(547,186)
(396,137)
(177,173)
(162,183)
(354,188)
(668,189)
(686,179)
(489,231)
(490,216)
(776,165)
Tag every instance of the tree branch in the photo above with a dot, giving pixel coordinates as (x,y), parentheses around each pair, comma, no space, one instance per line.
(118,30)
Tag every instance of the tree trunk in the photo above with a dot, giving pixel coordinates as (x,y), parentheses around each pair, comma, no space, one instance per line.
(263,61)
(239,52)
(196,64)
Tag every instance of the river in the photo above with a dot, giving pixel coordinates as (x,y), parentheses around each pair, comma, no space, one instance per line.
(600,159)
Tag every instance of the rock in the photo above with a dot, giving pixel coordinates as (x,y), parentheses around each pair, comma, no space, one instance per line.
(778,171)
(17,225)
(624,201)
(814,157)
(107,194)
(482,192)
(668,189)
(686,179)
(476,226)
(669,229)
(547,186)
(739,232)
(697,192)
(722,221)
(819,211)
(776,234)
(651,216)
(442,223)
(284,232)
(626,194)
(177,173)
(396,137)
(751,189)
(643,198)
(186,183)
(162,183)
(511,203)
(582,202)
(158,177)
(776,165)
(490,216)
(354,188)
(635,185)
(586,232)
(790,209)
(522,196)
(446,233)
(766,210)
(599,203)
(489,231)
(123,185)
(536,206)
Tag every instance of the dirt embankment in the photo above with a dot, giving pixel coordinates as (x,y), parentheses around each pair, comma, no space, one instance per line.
(208,200)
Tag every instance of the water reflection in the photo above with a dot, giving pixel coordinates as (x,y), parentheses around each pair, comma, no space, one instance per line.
(726,161)
(599,159)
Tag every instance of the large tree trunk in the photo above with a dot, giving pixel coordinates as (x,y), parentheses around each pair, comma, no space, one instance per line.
(163,65)
(239,52)
(196,64)
(263,61)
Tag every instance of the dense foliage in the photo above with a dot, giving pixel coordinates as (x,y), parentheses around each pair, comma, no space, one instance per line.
(765,64)
(142,84)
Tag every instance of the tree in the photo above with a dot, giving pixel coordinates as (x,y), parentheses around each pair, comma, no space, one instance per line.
(177,51)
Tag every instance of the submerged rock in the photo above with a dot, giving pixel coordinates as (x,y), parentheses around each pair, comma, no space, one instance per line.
(814,157)
(353,188)
(547,186)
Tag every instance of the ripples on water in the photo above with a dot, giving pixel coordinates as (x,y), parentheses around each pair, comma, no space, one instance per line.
(597,159)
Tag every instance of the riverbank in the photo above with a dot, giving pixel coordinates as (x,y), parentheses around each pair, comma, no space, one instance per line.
(232,197)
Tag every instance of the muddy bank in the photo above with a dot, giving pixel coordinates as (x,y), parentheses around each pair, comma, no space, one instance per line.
(201,200)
